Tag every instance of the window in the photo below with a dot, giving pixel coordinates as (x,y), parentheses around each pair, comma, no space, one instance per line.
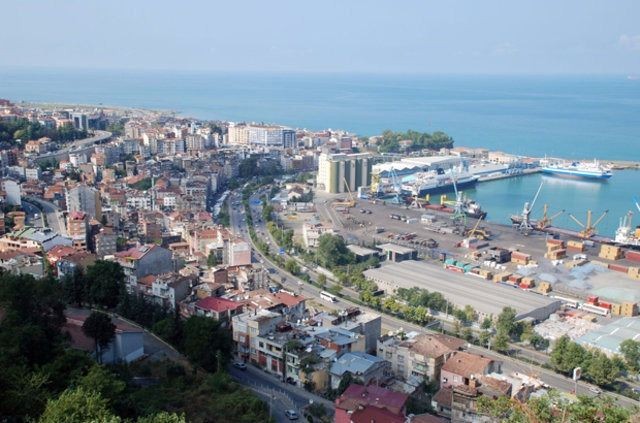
(261,344)
(401,359)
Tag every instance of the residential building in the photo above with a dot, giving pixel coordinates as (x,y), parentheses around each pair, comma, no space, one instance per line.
(78,228)
(311,232)
(85,199)
(30,239)
(367,324)
(459,403)
(370,404)
(239,253)
(339,173)
(418,357)
(463,367)
(20,263)
(143,260)
(247,327)
(261,135)
(220,309)
(105,242)
(366,367)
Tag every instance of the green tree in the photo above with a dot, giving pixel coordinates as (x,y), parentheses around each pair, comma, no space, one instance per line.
(105,282)
(99,327)
(332,251)
(538,342)
(163,417)
(203,337)
(630,350)
(75,287)
(212,259)
(292,266)
(500,341)
(322,280)
(102,381)
(602,370)
(568,355)
(78,405)
(506,321)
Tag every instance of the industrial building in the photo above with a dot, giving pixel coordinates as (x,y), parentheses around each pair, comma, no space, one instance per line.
(607,338)
(487,298)
(336,172)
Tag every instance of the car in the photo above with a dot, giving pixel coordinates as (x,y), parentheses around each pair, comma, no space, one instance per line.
(240,365)
(291,414)
(595,390)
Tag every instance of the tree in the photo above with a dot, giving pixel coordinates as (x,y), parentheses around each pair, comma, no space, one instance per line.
(75,287)
(99,327)
(292,266)
(102,381)
(568,355)
(163,417)
(630,350)
(322,280)
(538,342)
(506,322)
(105,282)
(212,259)
(602,370)
(78,405)
(203,337)
(501,341)
(332,251)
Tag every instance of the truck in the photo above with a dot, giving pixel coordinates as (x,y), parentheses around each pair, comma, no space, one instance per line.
(394,216)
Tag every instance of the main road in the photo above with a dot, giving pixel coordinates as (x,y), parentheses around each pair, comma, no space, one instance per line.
(79,146)
(510,364)
(53,214)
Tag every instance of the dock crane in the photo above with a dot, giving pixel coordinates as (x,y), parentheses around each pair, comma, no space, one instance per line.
(458,216)
(395,183)
(351,202)
(479,233)
(546,220)
(525,225)
(588,228)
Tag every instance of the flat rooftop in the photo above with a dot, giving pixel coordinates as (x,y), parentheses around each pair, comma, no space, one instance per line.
(398,249)
(484,296)
(609,337)
(361,251)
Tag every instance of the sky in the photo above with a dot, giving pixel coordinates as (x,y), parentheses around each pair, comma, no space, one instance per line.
(372,36)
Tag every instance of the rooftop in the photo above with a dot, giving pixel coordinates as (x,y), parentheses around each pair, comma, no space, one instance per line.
(609,337)
(357,395)
(361,251)
(434,345)
(354,362)
(216,304)
(466,364)
(398,249)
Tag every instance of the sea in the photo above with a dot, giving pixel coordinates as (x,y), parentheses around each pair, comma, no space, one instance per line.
(570,116)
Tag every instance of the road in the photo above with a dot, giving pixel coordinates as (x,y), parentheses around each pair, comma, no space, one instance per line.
(510,364)
(32,211)
(54,215)
(79,146)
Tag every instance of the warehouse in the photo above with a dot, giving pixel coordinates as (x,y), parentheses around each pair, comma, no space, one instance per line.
(608,338)
(487,298)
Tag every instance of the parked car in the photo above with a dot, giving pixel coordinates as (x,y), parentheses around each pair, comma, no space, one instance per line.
(240,365)
(291,414)
(595,390)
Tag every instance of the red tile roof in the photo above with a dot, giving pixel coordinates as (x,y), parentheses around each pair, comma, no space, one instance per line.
(288,299)
(218,305)
(375,415)
(466,364)
(357,395)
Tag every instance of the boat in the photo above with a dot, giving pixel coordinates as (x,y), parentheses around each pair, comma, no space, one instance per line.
(583,170)
(470,208)
(626,235)
(438,180)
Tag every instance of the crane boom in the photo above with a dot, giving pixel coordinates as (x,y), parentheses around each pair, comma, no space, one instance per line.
(600,219)
(576,220)
(536,196)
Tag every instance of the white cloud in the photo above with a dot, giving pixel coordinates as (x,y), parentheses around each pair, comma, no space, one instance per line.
(629,42)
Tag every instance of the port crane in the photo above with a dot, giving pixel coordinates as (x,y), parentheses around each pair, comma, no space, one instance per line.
(546,220)
(458,216)
(525,224)
(351,202)
(589,227)
(479,233)
(395,183)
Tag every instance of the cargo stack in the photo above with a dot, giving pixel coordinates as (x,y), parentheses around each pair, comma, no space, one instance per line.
(520,258)
(501,277)
(515,279)
(616,309)
(544,287)
(527,282)
(610,252)
(487,274)
(619,268)
(629,309)
(555,249)
(634,273)
(575,246)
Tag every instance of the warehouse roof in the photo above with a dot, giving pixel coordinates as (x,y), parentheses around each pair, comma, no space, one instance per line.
(485,297)
(398,249)
(609,337)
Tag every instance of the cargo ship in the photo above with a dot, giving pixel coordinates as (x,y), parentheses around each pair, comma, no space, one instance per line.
(438,180)
(626,235)
(582,170)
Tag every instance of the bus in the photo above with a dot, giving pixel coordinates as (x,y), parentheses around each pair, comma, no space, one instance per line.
(328,297)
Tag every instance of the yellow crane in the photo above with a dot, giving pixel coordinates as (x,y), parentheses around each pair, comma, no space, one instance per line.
(351,202)
(479,233)
(546,220)
(588,228)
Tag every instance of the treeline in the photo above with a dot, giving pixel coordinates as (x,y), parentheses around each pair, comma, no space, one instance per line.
(43,379)
(25,130)
(391,141)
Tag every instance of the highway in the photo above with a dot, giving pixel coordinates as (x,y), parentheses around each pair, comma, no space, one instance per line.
(510,364)
(54,215)
(79,146)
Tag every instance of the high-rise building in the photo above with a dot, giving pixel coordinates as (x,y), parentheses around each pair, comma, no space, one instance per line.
(80,121)
(77,228)
(86,199)
(337,171)
(263,135)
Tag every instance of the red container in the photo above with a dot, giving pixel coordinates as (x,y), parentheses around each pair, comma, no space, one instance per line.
(592,299)
(619,268)
(605,305)
(632,255)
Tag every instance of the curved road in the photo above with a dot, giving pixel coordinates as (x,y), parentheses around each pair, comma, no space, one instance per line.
(78,146)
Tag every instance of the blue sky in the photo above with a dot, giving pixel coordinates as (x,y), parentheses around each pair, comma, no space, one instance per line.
(412,36)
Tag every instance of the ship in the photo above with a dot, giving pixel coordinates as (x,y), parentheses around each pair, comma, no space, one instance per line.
(583,170)
(470,208)
(626,235)
(438,180)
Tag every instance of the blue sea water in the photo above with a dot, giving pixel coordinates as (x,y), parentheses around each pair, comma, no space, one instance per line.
(568,116)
